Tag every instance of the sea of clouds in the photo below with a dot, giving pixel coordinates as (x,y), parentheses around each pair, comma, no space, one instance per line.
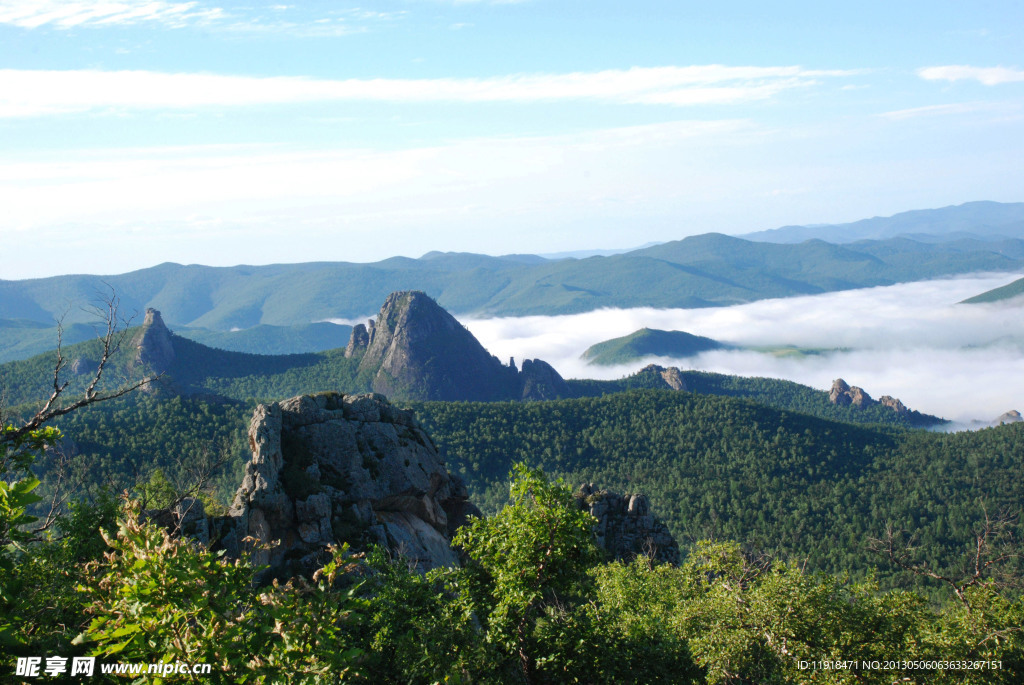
(912,341)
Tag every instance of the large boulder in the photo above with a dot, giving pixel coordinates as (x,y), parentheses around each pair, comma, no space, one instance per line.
(626,527)
(330,468)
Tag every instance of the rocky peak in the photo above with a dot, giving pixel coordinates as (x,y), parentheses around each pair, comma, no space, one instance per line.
(417,350)
(894,404)
(625,526)
(540,381)
(334,468)
(1012,416)
(358,341)
(153,343)
(845,395)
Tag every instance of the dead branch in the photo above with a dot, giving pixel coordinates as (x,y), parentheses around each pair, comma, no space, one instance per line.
(114,333)
(994,546)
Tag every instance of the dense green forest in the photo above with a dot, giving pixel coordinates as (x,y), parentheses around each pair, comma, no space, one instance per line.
(717,467)
(533,602)
(776,504)
(714,466)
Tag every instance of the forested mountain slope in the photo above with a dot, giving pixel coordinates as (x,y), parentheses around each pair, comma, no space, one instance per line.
(727,468)
(698,271)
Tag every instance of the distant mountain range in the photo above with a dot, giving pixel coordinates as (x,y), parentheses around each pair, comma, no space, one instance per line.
(238,307)
(970,221)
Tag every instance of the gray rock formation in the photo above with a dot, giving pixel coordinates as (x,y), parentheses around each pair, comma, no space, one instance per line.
(540,381)
(358,341)
(328,469)
(894,404)
(416,350)
(845,395)
(153,343)
(1012,416)
(672,376)
(625,527)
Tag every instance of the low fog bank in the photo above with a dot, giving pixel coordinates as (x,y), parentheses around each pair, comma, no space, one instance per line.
(911,341)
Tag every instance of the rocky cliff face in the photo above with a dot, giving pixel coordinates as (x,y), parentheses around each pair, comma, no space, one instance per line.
(417,350)
(626,528)
(328,469)
(153,343)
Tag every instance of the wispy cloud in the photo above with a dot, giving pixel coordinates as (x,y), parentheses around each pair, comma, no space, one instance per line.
(68,14)
(943,110)
(29,92)
(990,76)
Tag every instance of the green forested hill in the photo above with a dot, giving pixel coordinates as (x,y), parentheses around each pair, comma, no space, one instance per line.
(773,392)
(1006,292)
(713,465)
(698,271)
(196,369)
(983,219)
(648,342)
(202,370)
(730,469)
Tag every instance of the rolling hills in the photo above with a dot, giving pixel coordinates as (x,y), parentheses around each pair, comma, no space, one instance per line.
(700,271)
(972,220)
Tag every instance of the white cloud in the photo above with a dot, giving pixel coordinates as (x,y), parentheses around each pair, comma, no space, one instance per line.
(39,92)
(942,110)
(68,14)
(990,76)
(245,181)
(911,341)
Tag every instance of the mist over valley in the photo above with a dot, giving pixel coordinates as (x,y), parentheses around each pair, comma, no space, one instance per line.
(914,341)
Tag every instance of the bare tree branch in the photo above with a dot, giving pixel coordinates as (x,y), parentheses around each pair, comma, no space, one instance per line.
(994,546)
(115,332)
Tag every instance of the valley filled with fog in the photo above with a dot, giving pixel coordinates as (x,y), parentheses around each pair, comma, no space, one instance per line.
(912,341)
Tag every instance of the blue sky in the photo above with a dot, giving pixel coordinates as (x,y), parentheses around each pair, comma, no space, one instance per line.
(134,132)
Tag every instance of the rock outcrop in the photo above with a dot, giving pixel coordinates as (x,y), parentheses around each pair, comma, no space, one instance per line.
(358,341)
(846,395)
(540,381)
(672,376)
(894,404)
(1012,416)
(416,350)
(328,469)
(625,527)
(83,366)
(153,343)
